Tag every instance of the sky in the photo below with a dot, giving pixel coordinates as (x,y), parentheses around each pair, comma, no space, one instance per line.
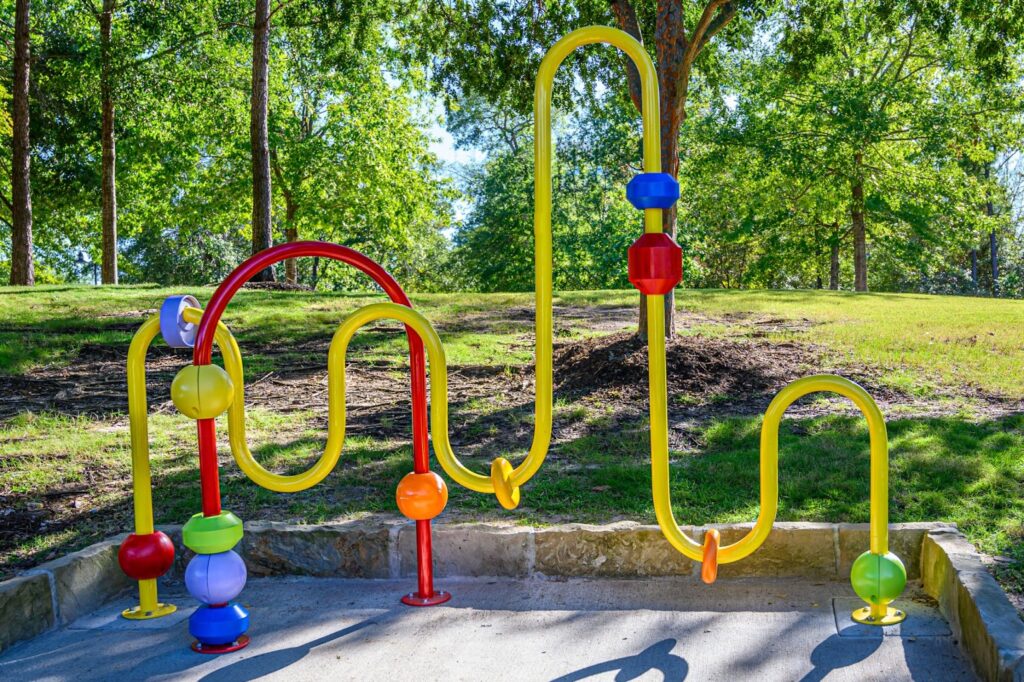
(443,146)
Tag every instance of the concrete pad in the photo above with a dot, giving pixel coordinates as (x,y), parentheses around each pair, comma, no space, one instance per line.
(578,629)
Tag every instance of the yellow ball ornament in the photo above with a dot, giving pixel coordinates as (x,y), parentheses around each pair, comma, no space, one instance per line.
(202,391)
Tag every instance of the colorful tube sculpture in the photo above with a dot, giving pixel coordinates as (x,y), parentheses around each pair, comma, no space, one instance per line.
(203,391)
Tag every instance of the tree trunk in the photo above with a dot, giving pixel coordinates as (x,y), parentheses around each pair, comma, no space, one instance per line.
(993,249)
(22,269)
(108,145)
(993,246)
(833,266)
(860,250)
(262,236)
(291,234)
(974,270)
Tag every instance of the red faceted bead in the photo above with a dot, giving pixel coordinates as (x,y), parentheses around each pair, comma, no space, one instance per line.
(145,557)
(655,264)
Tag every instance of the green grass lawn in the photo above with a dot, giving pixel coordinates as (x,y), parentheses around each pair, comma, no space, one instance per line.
(967,469)
(916,339)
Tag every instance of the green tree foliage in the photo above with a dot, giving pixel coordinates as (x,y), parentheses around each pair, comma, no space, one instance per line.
(841,133)
(592,223)
(351,165)
(874,142)
(362,175)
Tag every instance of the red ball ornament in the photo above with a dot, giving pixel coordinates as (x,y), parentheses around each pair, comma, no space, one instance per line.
(145,557)
(655,264)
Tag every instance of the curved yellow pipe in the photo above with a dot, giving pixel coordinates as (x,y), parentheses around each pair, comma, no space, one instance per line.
(336,400)
(770,469)
(236,421)
(138,427)
(142,486)
(438,378)
(503,480)
(542,235)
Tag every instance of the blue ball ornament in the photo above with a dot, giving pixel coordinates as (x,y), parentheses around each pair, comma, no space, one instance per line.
(218,626)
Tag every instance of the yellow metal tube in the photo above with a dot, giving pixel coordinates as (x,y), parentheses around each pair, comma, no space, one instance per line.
(879,515)
(542,227)
(438,378)
(336,400)
(544,336)
(236,421)
(138,425)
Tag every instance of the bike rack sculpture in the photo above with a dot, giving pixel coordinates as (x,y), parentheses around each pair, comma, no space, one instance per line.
(203,391)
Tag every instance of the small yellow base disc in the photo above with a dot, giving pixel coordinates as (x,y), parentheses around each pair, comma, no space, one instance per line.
(891,617)
(136,612)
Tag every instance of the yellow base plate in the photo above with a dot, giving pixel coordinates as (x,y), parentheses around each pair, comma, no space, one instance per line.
(136,612)
(891,617)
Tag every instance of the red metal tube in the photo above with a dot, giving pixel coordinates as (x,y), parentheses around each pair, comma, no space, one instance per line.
(424,561)
(208,470)
(203,352)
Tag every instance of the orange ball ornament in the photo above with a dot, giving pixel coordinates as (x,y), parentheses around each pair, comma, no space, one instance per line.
(421,496)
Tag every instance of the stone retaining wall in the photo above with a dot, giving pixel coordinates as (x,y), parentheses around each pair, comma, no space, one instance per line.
(58,592)
(979,613)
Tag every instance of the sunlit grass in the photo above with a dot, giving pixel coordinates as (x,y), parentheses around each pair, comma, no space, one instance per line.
(919,342)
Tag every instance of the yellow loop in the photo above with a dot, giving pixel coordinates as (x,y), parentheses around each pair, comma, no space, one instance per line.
(501,479)
(879,476)
(336,403)
(236,421)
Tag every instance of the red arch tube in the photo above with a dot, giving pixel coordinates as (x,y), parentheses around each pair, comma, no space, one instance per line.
(203,351)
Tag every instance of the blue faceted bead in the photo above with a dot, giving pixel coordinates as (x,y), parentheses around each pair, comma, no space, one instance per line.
(218,625)
(652,190)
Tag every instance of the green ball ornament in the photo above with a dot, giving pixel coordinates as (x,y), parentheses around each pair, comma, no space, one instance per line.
(878,578)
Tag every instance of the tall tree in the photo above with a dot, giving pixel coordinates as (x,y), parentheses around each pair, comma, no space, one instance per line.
(22,266)
(262,232)
(108,143)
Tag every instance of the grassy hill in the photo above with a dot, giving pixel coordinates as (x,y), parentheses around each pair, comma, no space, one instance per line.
(946,372)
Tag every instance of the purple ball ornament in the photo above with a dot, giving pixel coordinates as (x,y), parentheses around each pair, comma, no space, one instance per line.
(215,578)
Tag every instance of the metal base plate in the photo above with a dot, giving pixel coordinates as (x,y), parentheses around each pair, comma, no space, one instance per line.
(239,643)
(413,599)
(136,612)
(891,617)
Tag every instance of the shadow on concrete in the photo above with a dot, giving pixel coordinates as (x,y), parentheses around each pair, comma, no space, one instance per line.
(837,652)
(275,661)
(658,657)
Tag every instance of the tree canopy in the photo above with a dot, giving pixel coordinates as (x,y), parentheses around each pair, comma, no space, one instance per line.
(861,144)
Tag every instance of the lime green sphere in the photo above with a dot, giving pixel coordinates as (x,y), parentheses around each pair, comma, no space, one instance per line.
(878,578)
(202,391)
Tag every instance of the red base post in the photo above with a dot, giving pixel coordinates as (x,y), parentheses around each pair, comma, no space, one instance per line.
(425,596)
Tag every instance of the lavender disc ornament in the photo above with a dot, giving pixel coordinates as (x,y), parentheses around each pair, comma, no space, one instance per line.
(215,578)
